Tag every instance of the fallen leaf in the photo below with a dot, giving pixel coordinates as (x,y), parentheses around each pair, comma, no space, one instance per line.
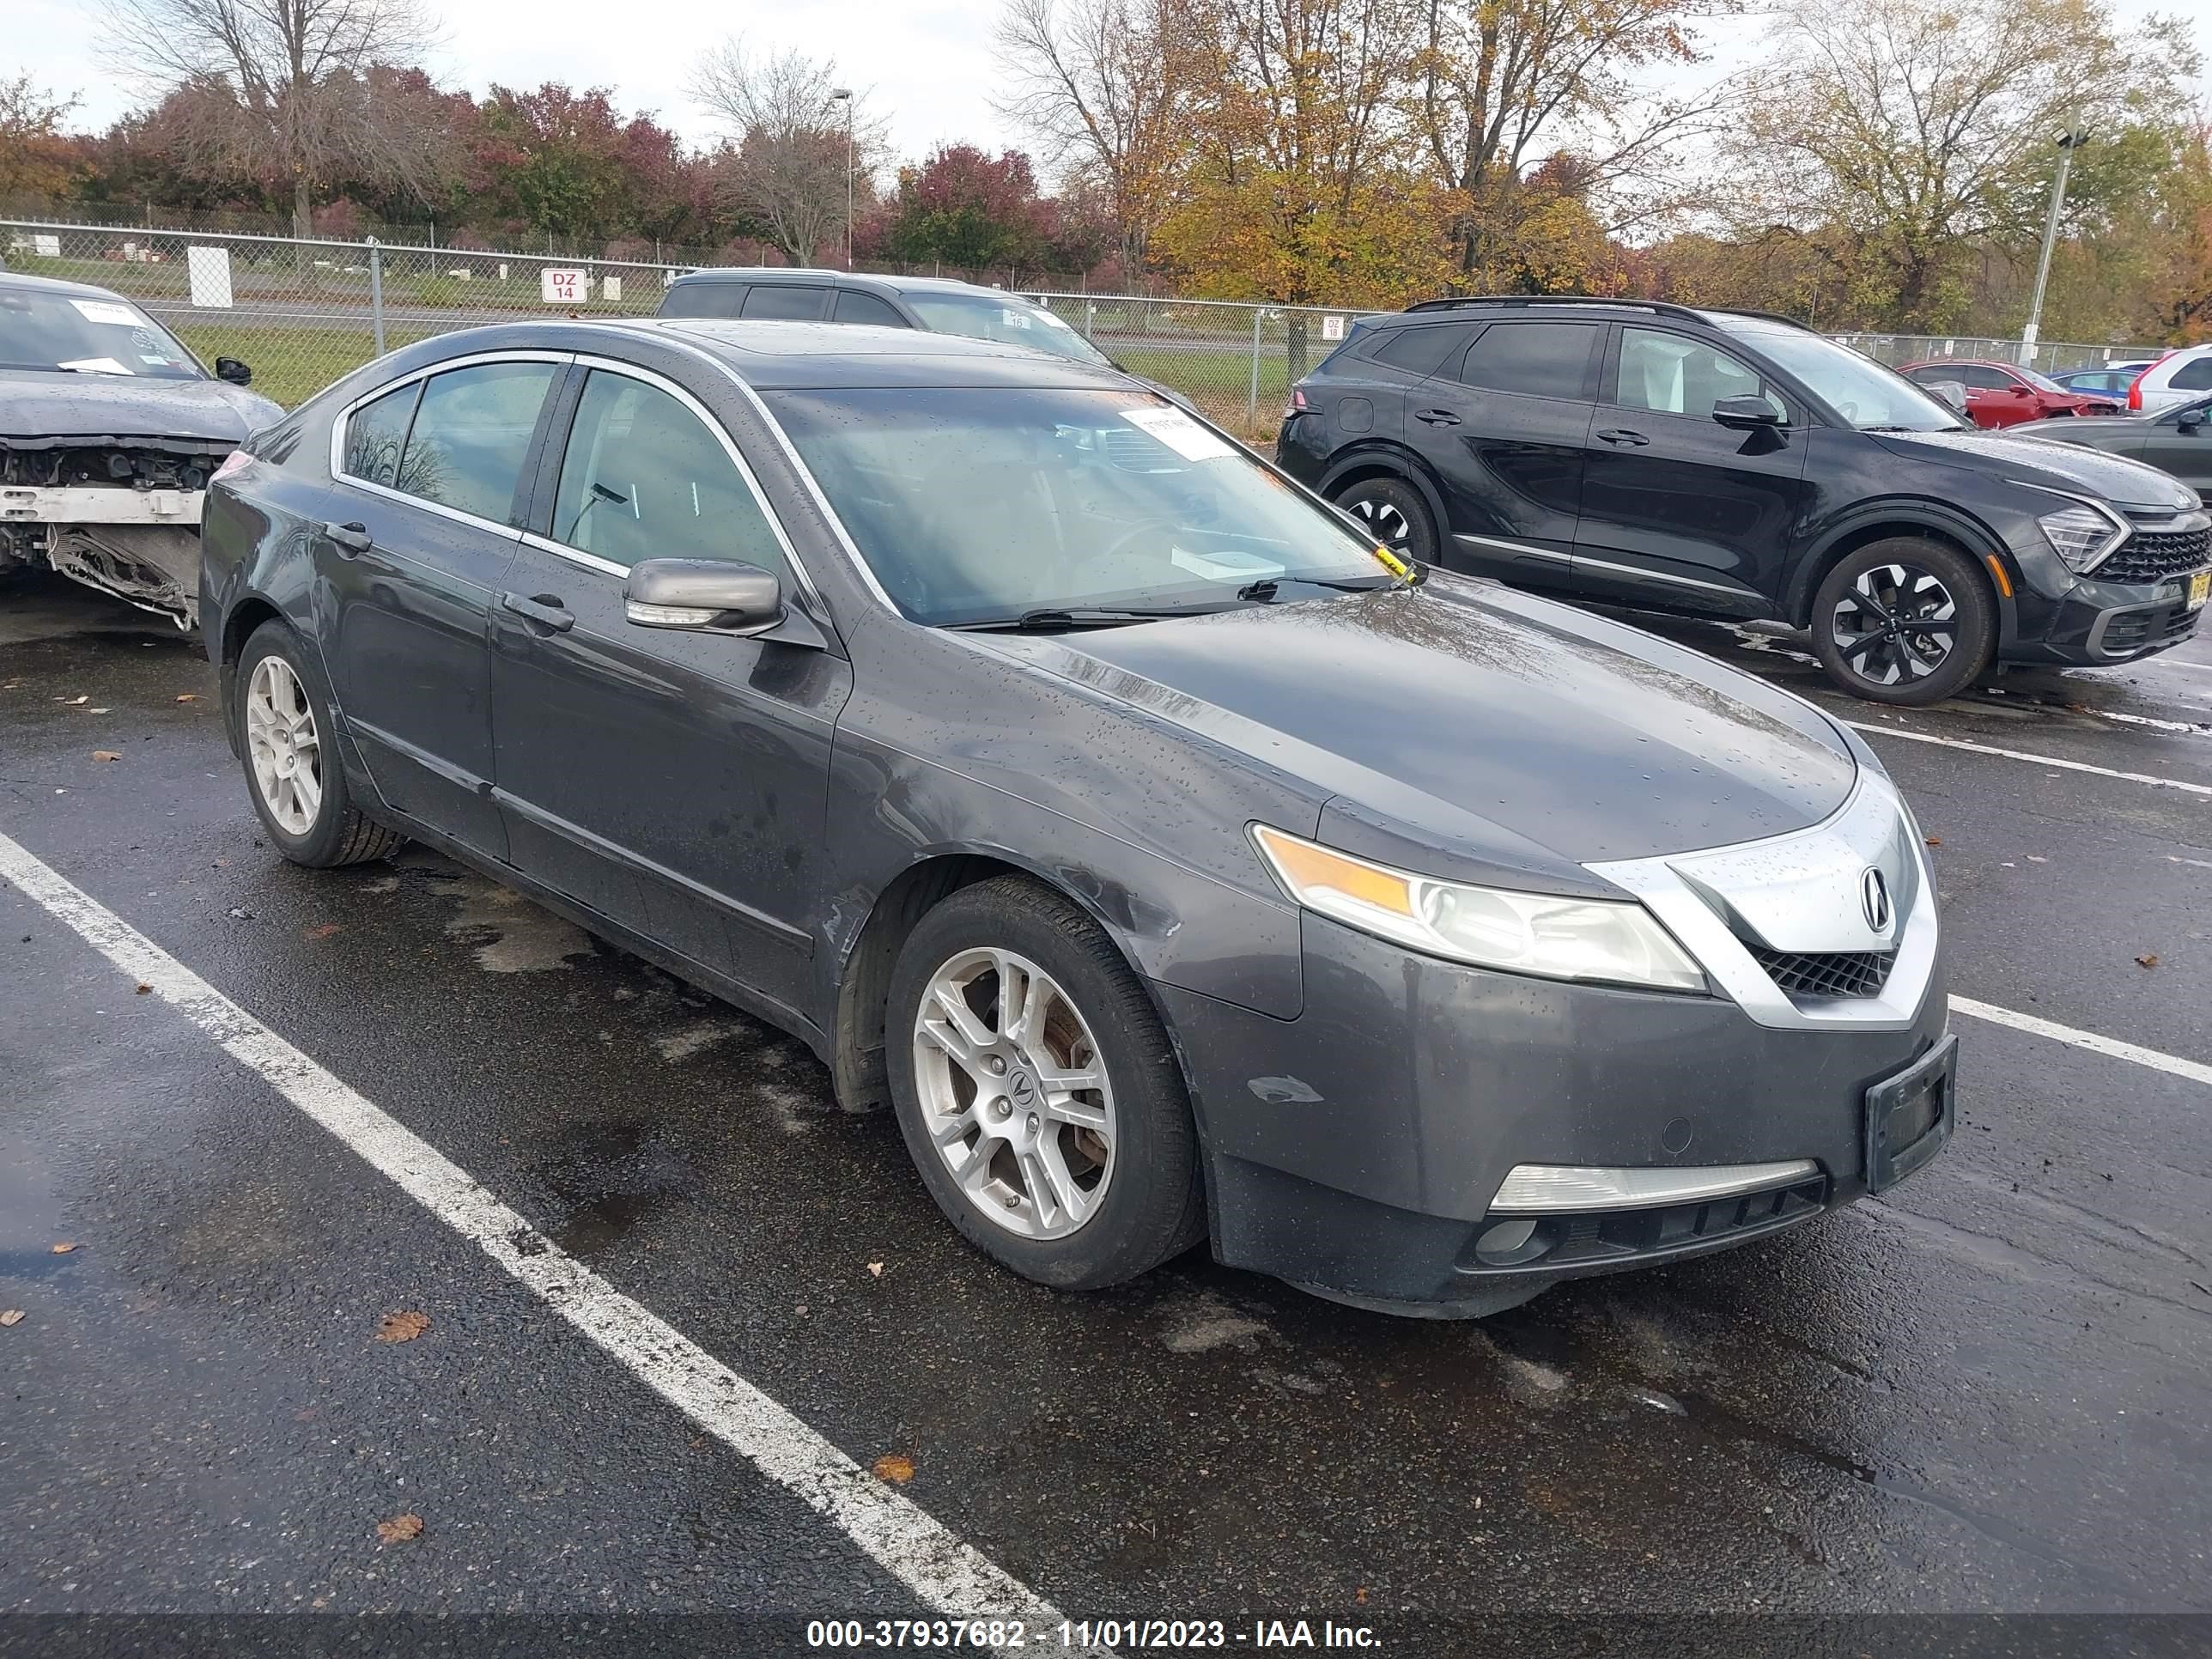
(800,1310)
(144,989)
(894,1468)
(11,1317)
(2150,960)
(188,696)
(876,1268)
(1934,841)
(104,754)
(1359,1596)
(323,931)
(400,1528)
(64,1248)
(95,711)
(402,1326)
(75,702)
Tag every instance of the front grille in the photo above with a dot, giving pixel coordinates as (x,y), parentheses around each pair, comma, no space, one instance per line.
(1826,972)
(2152,556)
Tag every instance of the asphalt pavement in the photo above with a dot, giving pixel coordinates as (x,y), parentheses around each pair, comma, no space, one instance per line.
(1989,1391)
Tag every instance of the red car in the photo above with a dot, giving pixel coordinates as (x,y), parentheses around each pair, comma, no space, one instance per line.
(1999,394)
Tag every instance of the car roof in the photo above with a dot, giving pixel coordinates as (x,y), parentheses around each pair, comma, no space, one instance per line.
(813,278)
(778,354)
(1537,305)
(56,285)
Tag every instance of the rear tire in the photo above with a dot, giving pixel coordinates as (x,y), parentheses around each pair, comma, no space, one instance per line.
(1002,997)
(1904,620)
(293,772)
(1393,512)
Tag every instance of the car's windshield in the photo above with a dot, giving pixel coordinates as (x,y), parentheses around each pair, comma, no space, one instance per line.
(87,334)
(975,504)
(1871,398)
(1008,319)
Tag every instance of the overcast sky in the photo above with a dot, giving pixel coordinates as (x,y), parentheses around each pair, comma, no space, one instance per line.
(924,64)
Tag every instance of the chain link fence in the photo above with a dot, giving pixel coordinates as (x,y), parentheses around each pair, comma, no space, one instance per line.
(301,313)
(2047,357)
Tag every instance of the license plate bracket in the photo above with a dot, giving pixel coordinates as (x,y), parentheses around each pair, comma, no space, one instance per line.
(1909,1117)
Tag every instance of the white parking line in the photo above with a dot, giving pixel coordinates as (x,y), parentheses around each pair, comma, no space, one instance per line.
(944,1573)
(2032,759)
(2174,1065)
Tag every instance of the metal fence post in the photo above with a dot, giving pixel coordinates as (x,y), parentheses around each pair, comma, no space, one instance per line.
(376,293)
(1252,397)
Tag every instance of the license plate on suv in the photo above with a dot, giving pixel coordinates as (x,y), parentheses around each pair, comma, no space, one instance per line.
(2200,587)
(1910,1116)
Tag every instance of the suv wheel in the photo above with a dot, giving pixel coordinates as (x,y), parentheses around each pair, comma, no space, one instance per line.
(1395,514)
(1904,620)
(1038,1094)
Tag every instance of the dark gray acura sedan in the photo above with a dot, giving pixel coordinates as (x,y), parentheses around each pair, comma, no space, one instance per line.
(1175,863)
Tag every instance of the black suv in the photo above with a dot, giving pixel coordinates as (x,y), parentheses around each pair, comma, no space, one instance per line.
(1732,465)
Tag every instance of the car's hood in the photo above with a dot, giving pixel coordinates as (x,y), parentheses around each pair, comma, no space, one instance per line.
(2072,467)
(40,405)
(2085,428)
(1463,722)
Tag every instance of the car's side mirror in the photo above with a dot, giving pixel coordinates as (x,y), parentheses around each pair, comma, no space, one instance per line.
(2191,424)
(2023,391)
(708,595)
(1747,414)
(230,369)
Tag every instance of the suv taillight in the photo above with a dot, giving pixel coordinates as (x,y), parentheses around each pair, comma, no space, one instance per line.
(232,464)
(1297,404)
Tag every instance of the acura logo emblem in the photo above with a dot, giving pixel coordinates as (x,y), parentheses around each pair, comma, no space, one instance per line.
(1022,1088)
(1873,899)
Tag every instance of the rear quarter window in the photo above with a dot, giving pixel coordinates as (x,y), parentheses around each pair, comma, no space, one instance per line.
(1423,349)
(704,299)
(2193,376)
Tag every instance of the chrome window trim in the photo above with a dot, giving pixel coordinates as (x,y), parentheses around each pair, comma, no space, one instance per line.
(344,419)
(1687,891)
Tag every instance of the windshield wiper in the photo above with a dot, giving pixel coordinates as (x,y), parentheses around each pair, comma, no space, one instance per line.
(1264,590)
(1052,619)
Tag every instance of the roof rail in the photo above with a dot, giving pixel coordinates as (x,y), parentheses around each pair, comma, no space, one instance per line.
(1655,307)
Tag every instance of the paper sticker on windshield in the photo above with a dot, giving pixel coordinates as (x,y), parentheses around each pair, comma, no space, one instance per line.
(1178,432)
(1013,318)
(107,311)
(96,366)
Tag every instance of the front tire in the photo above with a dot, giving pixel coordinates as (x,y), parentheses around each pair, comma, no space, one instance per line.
(1037,1092)
(1393,512)
(292,770)
(1904,620)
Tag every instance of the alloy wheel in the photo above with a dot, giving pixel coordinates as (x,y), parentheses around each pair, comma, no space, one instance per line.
(1895,623)
(1384,521)
(1014,1093)
(283,746)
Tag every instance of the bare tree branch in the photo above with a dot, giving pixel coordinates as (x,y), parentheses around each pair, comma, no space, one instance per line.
(788,171)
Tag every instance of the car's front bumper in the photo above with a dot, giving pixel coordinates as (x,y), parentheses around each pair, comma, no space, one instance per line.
(1358,1148)
(2099,623)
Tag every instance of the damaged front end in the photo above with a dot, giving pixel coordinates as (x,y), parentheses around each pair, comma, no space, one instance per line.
(122,515)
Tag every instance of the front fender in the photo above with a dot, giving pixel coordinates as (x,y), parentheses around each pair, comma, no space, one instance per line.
(1904,516)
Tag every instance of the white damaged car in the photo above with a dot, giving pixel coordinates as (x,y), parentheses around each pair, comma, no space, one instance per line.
(110,430)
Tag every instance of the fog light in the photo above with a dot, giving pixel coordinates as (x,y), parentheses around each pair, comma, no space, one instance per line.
(1507,1244)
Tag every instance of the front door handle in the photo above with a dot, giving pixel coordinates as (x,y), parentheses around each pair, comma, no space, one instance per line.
(1621,435)
(1436,416)
(348,539)
(545,611)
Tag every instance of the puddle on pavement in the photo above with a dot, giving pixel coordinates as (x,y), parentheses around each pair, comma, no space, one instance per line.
(610,1178)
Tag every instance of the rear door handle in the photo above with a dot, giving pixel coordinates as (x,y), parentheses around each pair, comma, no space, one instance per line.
(348,539)
(545,610)
(1436,416)
(1621,435)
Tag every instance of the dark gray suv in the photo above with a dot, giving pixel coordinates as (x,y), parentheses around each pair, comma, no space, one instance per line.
(1176,864)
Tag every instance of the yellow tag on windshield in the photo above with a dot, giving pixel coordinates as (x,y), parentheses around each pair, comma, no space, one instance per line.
(1391,562)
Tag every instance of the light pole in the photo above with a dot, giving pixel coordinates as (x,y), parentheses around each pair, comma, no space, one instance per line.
(2068,143)
(844,95)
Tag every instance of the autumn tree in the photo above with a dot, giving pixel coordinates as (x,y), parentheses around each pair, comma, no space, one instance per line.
(970,209)
(280,89)
(1100,87)
(1303,184)
(1907,136)
(790,168)
(37,157)
(1500,84)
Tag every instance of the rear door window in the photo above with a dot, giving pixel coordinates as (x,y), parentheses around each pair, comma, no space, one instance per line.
(1543,359)
(471,431)
(854,307)
(793,299)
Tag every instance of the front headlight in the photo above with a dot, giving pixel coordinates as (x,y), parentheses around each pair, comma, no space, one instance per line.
(1613,942)
(2082,537)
